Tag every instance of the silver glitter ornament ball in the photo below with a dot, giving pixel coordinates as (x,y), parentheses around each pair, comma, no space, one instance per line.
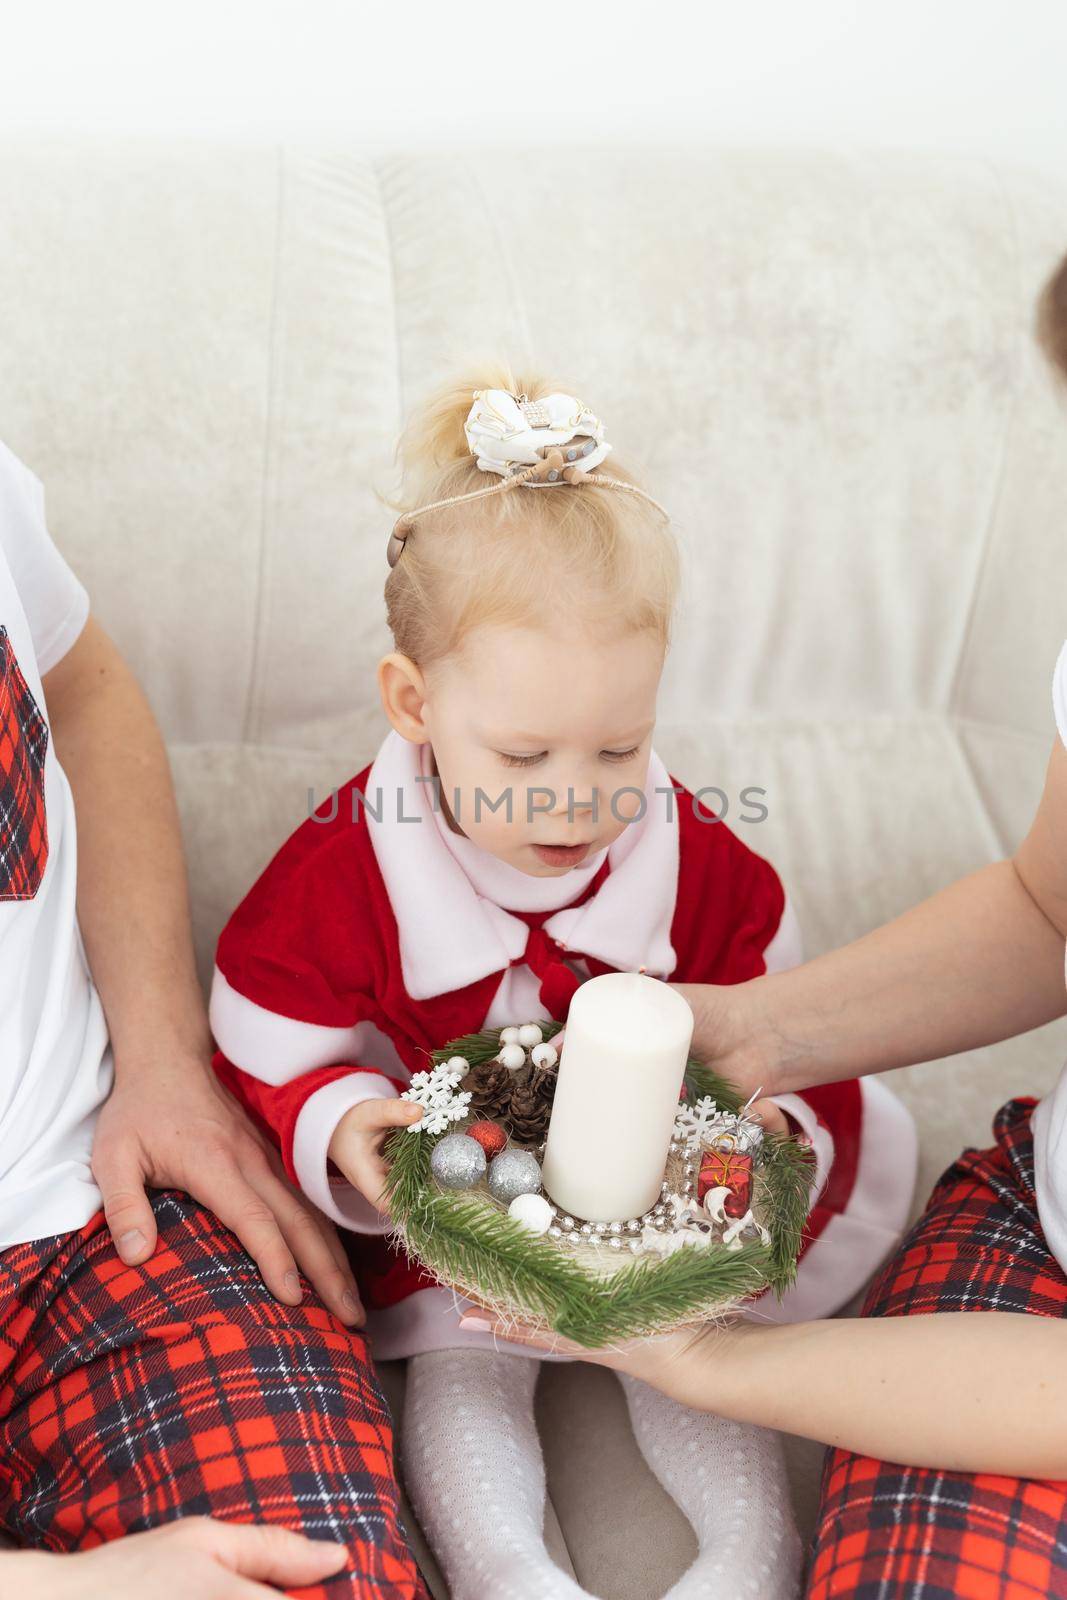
(458,1162)
(513,1172)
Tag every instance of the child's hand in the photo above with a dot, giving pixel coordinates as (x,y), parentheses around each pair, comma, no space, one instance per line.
(356,1146)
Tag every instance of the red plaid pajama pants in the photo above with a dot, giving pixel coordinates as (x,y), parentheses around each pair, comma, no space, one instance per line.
(903,1533)
(133,1395)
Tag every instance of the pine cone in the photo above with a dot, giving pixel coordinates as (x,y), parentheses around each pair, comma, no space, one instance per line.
(490,1089)
(531,1105)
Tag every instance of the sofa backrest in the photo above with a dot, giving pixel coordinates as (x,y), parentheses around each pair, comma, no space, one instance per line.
(822,363)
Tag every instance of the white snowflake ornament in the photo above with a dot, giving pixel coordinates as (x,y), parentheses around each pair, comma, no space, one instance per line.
(694,1122)
(435,1119)
(435,1091)
(703,1124)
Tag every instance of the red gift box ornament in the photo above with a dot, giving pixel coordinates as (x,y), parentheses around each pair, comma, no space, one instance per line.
(727,1169)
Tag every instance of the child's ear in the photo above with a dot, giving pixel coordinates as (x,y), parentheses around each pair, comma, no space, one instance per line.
(403,692)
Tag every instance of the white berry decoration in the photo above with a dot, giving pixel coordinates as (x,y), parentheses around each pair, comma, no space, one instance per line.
(529,1035)
(458,1064)
(544,1055)
(512,1056)
(509,1035)
(533,1211)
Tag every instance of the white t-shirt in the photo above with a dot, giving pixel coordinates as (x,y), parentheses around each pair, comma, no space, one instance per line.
(1049,1121)
(55,1065)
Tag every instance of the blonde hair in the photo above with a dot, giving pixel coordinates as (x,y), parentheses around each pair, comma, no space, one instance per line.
(599,558)
(1052,319)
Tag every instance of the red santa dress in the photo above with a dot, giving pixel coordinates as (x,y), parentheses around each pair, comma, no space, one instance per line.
(377,934)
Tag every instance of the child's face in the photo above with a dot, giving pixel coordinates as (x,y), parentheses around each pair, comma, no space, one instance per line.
(527,710)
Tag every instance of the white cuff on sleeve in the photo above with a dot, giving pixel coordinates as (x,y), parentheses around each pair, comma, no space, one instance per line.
(786,949)
(272,1047)
(315,1126)
(822,1143)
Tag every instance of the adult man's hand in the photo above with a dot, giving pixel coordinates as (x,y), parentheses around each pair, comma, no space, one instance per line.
(195,1558)
(171,1125)
(168,1123)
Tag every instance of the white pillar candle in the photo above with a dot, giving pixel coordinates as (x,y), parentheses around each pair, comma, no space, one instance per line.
(620,1075)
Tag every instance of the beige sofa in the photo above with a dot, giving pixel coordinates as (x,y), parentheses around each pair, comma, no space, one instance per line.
(821,361)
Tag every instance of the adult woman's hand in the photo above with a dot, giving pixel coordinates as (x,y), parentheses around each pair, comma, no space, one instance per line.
(726,1038)
(663,1361)
(170,1124)
(978,962)
(726,1034)
(195,1558)
(714,1026)
(916,1389)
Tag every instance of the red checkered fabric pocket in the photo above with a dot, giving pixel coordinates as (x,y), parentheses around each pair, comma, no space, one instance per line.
(23,747)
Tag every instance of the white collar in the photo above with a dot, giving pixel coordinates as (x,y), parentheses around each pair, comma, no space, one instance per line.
(502,883)
(445,892)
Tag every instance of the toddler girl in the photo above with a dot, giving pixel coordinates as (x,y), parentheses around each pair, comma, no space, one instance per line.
(515,834)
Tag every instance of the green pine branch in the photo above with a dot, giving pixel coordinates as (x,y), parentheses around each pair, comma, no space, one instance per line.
(469,1242)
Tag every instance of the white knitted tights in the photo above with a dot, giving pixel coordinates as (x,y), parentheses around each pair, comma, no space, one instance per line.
(729,1480)
(476,1478)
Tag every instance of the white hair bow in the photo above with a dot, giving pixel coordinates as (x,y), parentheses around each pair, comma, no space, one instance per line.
(508,432)
(530,444)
